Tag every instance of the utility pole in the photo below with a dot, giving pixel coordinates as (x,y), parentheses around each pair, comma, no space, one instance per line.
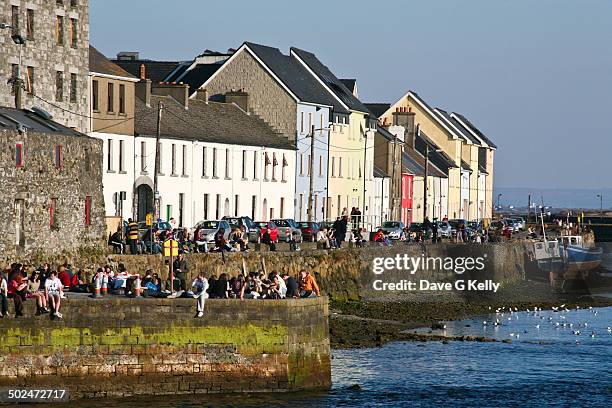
(425,181)
(311,171)
(157,163)
(529,207)
(393,183)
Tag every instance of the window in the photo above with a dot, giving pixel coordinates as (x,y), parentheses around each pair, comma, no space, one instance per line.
(255,157)
(30,25)
(309,169)
(52,210)
(94,97)
(218,207)
(215,164)
(302,122)
(87,211)
(253,206)
(205,206)
(14,69)
(159,160)
(310,122)
(236,204)
(227,163)
(204,170)
(15,19)
(122,99)
(59,30)
(333,167)
(283,172)
(73,32)
(109,156)
(173,172)
(111,98)
(266,164)
(274,164)
(143,157)
(19,155)
(244,164)
(59,86)
(321,165)
(59,158)
(301,164)
(73,3)
(121,156)
(282,207)
(30,80)
(73,88)
(321,120)
(339,166)
(184,169)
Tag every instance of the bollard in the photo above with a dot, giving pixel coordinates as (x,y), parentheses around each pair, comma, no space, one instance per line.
(104,284)
(137,287)
(97,279)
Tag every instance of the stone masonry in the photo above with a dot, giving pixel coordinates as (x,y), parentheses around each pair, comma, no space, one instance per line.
(267,99)
(45,206)
(45,57)
(120,347)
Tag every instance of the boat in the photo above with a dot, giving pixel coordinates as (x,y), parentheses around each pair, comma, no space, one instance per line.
(579,252)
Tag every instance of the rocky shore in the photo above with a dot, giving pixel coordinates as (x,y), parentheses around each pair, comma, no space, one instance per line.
(374,322)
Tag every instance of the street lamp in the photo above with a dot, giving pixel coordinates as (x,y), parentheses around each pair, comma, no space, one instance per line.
(600,207)
(17,82)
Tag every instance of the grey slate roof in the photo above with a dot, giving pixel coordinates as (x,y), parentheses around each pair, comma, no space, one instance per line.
(454,124)
(98,63)
(380,173)
(213,122)
(198,75)
(156,71)
(350,84)
(385,133)
(378,109)
(414,158)
(11,119)
(476,130)
(330,80)
(295,76)
(439,159)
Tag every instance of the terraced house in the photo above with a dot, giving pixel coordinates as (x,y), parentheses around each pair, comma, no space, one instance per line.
(458,149)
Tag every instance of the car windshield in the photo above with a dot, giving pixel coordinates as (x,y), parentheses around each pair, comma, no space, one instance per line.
(281,223)
(391,224)
(233,221)
(305,224)
(209,225)
(262,224)
(164,225)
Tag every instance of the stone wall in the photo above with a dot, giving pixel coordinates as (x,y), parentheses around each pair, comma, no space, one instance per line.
(267,98)
(121,347)
(46,58)
(29,193)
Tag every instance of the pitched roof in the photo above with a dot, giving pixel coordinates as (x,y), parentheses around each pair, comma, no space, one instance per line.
(458,127)
(156,71)
(411,165)
(196,77)
(385,133)
(14,119)
(378,109)
(465,166)
(438,158)
(98,63)
(294,76)
(380,173)
(351,84)
(330,80)
(474,129)
(208,122)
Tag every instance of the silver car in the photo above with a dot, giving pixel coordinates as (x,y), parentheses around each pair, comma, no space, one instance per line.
(205,231)
(519,222)
(444,229)
(287,228)
(393,229)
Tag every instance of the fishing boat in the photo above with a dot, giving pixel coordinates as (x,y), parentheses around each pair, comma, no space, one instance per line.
(579,252)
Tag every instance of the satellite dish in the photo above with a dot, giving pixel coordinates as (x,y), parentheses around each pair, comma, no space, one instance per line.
(42,113)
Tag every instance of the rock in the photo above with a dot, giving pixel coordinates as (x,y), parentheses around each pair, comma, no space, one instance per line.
(355,387)
(507,341)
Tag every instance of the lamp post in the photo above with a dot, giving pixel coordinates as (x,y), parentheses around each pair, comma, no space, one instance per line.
(600,196)
(498,200)
(17,82)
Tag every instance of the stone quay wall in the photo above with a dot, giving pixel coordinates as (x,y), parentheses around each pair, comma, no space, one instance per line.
(122,347)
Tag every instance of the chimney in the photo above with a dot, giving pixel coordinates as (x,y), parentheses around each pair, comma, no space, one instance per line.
(404,117)
(143,72)
(240,98)
(143,91)
(202,95)
(180,91)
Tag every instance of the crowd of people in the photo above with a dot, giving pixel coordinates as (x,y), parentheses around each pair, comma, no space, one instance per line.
(47,287)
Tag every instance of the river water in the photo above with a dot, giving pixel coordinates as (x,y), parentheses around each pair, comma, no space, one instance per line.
(549,365)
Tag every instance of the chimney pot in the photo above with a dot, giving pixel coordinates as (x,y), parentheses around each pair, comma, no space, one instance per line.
(143,72)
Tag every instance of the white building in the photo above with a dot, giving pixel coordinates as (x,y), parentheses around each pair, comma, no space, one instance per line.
(215,161)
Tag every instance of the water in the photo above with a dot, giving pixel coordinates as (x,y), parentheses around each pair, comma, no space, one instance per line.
(545,366)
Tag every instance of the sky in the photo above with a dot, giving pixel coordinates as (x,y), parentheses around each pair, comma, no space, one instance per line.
(535,76)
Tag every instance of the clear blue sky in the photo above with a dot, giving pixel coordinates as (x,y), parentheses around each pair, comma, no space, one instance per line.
(535,76)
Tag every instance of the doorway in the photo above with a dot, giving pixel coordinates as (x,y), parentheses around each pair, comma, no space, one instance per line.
(144,201)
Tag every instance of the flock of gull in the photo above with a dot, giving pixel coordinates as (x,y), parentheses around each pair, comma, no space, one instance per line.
(559,318)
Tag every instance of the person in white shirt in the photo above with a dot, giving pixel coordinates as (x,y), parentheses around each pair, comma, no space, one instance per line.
(200,286)
(3,295)
(54,292)
(322,239)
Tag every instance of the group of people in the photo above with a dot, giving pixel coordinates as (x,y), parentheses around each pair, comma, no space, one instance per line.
(43,285)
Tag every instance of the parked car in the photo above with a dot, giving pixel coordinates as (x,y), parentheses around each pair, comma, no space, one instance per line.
(205,231)
(393,229)
(268,226)
(416,227)
(455,223)
(309,230)
(251,229)
(511,225)
(287,228)
(520,223)
(143,229)
(444,229)
(497,225)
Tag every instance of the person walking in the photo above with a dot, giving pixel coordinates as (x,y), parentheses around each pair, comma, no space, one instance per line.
(200,286)
(133,236)
(180,269)
(54,291)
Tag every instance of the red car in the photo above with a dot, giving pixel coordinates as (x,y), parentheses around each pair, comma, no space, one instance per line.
(268,226)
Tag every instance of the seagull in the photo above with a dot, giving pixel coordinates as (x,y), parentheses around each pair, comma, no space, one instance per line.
(537,326)
(576,332)
(511,334)
(609,329)
(593,333)
(555,308)
(484,323)
(562,306)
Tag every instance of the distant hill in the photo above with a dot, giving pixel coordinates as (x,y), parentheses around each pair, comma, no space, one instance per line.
(558,198)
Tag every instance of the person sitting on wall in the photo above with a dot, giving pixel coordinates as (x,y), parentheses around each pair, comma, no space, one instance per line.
(116,241)
(293,241)
(17,290)
(78,284)
(322,239)
(308,285)
(381,238)
(54,291)
(3,295)
(64,277)
(220,241)
(200,287)
(291,285)
(237,238)
(34,292)
(266,239)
